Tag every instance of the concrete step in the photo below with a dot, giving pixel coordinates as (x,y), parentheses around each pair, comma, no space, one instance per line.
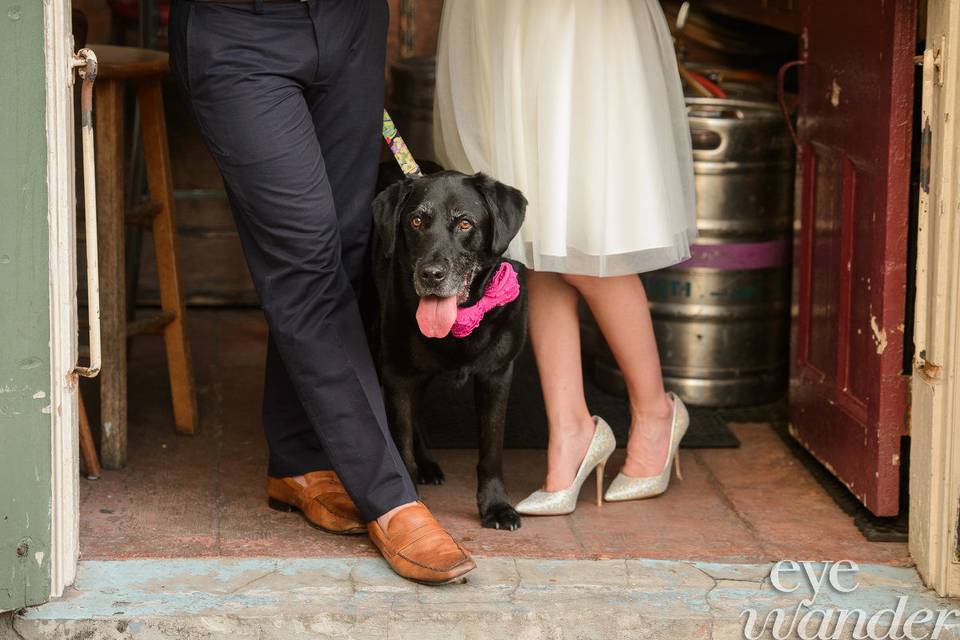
(280,598)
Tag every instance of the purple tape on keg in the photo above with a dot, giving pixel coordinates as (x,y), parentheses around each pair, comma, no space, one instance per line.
(739,255)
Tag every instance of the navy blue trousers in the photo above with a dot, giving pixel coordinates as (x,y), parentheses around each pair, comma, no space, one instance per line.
(289,100)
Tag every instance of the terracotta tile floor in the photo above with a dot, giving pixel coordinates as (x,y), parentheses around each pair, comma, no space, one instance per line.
(203,495)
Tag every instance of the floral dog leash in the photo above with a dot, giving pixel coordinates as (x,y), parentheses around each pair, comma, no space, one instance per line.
(399,148)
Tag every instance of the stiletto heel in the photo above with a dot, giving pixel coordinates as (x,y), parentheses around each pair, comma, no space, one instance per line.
(556,503)
(629,488)
(600,483)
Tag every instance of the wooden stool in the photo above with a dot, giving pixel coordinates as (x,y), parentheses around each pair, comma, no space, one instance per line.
(144,69)
(88,449)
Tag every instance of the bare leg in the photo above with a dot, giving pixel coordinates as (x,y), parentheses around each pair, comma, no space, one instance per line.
(620,307)
(555,337)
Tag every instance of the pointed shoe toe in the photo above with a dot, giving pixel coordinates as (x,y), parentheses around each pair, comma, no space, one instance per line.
(626,487)
(547,503)
(559,503)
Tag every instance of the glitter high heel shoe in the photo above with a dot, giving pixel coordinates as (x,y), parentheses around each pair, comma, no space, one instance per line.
(630,488)
(558,503)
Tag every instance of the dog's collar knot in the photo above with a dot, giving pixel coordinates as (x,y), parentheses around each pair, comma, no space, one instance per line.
(503,288)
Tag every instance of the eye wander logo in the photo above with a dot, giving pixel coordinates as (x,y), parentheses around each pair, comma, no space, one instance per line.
(809,620)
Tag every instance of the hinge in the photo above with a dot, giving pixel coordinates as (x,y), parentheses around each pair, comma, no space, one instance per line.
(933,57)
(929,371)
(926,144)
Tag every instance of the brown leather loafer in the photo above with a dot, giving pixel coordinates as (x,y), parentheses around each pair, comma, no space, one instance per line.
(324,502)
(419,549)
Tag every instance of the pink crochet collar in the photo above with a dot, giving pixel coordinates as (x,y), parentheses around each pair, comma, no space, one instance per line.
(503,288)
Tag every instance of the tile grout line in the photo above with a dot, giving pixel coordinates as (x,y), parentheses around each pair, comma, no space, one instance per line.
(714,481)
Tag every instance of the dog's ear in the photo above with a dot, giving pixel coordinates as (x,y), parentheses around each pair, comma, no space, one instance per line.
(507,208)
(386,213)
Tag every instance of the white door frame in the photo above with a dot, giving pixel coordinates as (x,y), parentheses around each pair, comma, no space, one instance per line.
(935,384)
(61,194)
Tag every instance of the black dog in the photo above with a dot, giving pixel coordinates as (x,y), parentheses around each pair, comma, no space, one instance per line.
(438,241)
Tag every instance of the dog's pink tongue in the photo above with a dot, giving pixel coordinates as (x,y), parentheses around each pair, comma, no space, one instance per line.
(436,315)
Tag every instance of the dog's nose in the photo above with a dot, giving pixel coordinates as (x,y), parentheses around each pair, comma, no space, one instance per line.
(433,273)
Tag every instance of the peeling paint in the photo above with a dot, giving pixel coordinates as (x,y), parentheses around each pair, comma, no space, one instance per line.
(25,283)
(7,412)
(39,395)
(879,335)
(30,363)
(38,556)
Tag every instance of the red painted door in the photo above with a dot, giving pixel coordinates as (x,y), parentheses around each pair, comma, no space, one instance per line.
(848,392)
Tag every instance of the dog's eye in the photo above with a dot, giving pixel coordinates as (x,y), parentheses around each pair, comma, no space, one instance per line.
(464,225)
(416,222)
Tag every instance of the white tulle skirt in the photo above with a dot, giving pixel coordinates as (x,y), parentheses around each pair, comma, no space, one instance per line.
(578,104)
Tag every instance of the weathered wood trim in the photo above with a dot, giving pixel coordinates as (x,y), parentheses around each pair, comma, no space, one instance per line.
(935,385)
(58,41)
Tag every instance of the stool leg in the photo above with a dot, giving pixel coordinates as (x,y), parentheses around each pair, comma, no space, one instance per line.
(88,450)
(113,307)
(160,182)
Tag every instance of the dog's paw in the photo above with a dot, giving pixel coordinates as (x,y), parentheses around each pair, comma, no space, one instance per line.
(429,472)
(501,516)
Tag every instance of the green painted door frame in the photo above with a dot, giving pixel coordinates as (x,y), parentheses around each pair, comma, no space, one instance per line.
(25,364)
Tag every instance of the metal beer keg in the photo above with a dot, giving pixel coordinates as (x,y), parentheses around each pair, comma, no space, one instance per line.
(722,318)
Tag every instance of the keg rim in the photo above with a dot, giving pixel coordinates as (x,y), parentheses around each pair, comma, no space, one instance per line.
(767,109)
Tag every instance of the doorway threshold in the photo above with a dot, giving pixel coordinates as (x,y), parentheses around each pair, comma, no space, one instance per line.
(271,598)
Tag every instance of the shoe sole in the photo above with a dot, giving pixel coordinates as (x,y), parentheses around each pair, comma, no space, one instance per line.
(461,578)
(283,507)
